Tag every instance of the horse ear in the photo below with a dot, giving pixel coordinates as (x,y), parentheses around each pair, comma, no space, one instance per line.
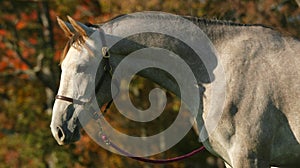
(81,28)
(65,27)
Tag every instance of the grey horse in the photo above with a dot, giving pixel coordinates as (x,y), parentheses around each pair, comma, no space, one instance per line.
(260,121)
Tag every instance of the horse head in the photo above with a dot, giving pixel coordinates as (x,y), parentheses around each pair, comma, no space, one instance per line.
(79,64)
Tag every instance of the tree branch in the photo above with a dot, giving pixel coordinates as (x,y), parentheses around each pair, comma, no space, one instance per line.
(298,2)
(17,48)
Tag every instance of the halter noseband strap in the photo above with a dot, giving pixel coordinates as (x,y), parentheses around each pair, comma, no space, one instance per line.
(65,98)
(71,100)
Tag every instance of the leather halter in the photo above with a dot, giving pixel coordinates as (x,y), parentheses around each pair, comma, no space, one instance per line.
(65,98)
(69,99)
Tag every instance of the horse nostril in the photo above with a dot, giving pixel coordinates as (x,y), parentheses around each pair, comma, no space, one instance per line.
(60,134)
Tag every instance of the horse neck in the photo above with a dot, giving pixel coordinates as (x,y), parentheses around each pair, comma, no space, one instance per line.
(217,33)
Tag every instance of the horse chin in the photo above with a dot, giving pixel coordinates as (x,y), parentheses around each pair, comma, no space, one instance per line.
(76,136)
(71,138)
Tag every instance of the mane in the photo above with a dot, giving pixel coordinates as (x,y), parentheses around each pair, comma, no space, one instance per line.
(221,22)
(76,41)
(196,20)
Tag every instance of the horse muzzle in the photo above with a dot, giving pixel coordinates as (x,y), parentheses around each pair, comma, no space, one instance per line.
(63,135)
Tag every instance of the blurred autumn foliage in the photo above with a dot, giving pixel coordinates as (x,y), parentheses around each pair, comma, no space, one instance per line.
(30,47)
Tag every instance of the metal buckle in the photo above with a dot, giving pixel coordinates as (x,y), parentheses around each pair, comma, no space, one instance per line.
(105,52)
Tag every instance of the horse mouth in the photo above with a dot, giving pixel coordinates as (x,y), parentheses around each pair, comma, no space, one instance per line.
(75,136)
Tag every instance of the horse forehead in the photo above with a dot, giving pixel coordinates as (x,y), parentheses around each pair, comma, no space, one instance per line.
(76,55)
(71,59)
(82,53)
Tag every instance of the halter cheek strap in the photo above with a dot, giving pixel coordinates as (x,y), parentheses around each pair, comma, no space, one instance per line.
(105,52)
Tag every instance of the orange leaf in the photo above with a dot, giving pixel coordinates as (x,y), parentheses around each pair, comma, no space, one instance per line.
(2,45)
(32,40)
(23,66)
(24,76)
(34,15)
(20,25)
(10,53)
(57,56)
(9,17)
(3,65)
(2,32)
(25,53)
